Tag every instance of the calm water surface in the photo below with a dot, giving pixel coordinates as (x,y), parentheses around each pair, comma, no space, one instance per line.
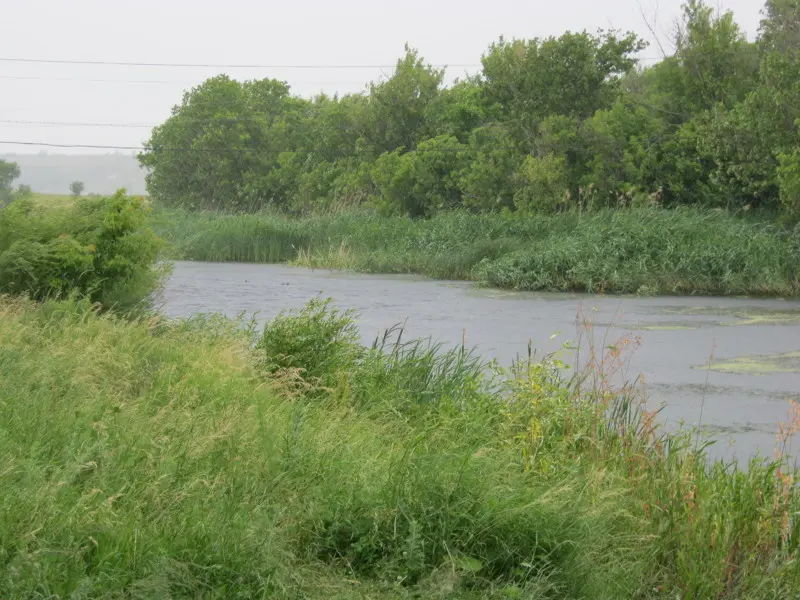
(753,345)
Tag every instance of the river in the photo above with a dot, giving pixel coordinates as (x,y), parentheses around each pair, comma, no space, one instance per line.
(752,345)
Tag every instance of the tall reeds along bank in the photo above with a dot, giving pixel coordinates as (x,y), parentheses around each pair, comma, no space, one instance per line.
(205,459)
(99,248)
(637,250)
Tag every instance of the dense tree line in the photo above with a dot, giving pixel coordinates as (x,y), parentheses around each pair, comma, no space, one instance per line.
(547,124)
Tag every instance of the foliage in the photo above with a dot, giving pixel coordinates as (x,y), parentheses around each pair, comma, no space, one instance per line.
(488,182)
(718,64)
(573,75)
(172,465)
(397,107)
(789,183)
(221,147)
(76,188)
(422,182)
(9,171)
(645,247)
(573,116)
(100,248)
(544,184)
(319,342)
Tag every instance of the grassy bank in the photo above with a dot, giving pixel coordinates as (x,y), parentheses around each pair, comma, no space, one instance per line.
(200,459)
(646,251)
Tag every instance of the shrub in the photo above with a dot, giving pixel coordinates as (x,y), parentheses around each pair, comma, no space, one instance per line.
(102,249)
(789,184)
(318,341)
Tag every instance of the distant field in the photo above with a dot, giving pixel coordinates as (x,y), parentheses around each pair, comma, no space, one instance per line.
(53,199)
(102,173)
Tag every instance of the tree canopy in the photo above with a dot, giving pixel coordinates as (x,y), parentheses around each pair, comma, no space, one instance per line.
(546,124)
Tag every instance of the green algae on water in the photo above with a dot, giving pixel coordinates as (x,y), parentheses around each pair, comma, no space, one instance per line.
(787,362)
(747,316)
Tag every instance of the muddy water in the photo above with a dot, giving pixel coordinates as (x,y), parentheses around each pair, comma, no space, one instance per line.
(731,365)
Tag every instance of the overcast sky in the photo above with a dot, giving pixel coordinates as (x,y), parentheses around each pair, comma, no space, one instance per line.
(265,32)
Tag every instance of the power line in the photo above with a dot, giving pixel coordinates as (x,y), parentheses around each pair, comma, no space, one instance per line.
(73,146)
(208,65)
(216,120)
(73,124)
(152,81)
(88,80)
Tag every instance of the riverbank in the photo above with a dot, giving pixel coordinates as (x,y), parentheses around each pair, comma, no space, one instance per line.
(641,251)
(147,458)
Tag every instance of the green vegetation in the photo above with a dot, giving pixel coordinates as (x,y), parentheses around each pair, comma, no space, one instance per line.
(547,124)
(76,188)
(9,171)
(52,200)
(643,250)
(788,362)
(156,459)
(100,248)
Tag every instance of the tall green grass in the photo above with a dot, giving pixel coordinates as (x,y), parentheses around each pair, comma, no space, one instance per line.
(643,250)
(205,459)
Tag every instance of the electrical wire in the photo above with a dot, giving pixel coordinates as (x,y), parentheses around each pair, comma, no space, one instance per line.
(208,65)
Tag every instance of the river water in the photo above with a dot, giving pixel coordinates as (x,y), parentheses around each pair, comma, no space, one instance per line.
(752,345)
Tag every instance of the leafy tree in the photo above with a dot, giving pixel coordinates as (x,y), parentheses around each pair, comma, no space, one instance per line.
(620,148)
(489,181)
(398,106)
(544,184)
(221,146)
(9,171)
(459,110)
(747,139)
(76,188)
(421,182)
(718,64)
(789,183)
(336,127)
(572,75)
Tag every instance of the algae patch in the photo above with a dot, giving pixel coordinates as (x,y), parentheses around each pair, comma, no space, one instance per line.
(767,319)
(739,316)
(788,362)
(674,326)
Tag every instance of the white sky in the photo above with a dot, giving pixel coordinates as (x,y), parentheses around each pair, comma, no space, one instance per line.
(266,32)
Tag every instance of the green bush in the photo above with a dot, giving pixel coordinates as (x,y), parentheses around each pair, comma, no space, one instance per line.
(317,341)
(789,184)
(100,248)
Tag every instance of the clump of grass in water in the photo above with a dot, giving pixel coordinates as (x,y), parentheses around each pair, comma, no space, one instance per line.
(170,463)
